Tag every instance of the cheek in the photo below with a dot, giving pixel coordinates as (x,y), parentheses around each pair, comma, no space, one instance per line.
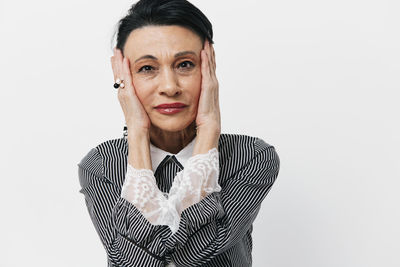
(193,85)
(143,89)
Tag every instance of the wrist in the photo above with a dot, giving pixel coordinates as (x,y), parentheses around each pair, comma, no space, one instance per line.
(207,129)
(206,140)
(137,135)
(139,150)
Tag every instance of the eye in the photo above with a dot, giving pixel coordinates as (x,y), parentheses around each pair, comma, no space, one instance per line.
(146,68)
(186,64)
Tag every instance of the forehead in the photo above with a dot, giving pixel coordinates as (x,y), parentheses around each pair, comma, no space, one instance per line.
(161,40)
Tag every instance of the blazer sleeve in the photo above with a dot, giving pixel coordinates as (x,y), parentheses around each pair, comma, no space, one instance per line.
(220,220)
(128,237)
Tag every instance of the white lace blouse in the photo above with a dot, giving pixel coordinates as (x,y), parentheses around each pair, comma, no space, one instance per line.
(198,179)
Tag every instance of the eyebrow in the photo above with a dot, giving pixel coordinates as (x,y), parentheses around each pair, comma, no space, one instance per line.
(183,53)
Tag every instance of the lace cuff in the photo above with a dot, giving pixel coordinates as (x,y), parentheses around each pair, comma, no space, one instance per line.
(140,189)
(198,179)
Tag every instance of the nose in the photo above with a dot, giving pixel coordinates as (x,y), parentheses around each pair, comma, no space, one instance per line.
(169,83)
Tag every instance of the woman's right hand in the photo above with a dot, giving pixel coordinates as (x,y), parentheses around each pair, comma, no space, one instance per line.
(136,117)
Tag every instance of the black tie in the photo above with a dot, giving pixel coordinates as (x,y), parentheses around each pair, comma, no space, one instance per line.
(166,172)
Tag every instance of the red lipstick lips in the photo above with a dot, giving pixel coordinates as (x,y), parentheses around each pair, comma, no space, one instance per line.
(170,108)
(172,105)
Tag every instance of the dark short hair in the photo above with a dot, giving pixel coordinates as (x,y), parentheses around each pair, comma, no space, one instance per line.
(164,12)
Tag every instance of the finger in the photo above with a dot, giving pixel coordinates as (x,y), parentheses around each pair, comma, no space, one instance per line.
(210,62)
(114,68)
(213,57)
(118,64)
(205,68)
(113,64)
(126,73)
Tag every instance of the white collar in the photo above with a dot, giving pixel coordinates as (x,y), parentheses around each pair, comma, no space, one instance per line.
(157,154)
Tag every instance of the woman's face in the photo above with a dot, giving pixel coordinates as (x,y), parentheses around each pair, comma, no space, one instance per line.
(165,64)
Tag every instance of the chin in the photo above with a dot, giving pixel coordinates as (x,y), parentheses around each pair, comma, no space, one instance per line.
(174,128)
(172,125)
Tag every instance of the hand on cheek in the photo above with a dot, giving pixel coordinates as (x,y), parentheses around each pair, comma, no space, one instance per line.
(136,117)
(208,113)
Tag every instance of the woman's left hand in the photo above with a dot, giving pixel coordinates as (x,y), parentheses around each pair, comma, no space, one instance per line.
(208,113)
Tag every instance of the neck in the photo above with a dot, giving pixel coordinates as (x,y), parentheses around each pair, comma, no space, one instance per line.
(172,142)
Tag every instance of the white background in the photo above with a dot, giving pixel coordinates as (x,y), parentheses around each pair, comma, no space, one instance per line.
(319,80)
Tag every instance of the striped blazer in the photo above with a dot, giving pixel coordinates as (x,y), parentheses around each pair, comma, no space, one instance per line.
(213,232)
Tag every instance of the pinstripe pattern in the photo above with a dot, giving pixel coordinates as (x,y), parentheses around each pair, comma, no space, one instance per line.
(166,172)
(214,232)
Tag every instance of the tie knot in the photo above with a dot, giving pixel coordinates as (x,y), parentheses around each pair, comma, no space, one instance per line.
(166,172)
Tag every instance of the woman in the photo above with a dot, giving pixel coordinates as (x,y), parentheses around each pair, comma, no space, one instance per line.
(184,194)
